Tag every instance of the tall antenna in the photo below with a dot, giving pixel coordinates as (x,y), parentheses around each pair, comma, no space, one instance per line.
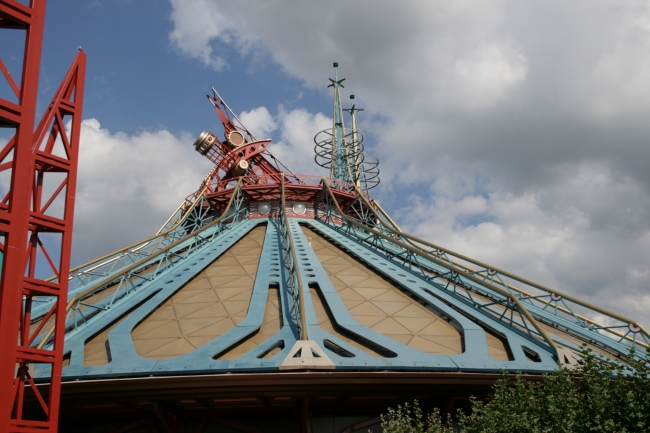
(364,167)
(340,166)
(340,149)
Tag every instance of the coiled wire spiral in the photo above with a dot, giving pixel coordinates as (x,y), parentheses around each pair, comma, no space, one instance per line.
(363,168)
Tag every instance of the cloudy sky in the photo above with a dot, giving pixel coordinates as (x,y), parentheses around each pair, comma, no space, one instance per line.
(514,132)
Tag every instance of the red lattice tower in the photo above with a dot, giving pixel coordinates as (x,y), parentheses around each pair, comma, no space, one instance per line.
(36,217)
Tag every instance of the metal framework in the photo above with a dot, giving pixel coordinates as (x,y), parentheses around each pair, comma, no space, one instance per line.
(366,166)
(341,149)
(487,288)
(36,217)
(115,278)
(100,270)
(297,284)
(239,153)
(560,310)
(291,263)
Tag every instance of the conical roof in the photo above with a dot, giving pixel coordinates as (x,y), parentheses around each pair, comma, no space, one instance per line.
(262,271)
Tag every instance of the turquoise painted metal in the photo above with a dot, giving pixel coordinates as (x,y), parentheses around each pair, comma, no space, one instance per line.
(383,257)
(341,165)
(153,293)
(541,328)
(341,149)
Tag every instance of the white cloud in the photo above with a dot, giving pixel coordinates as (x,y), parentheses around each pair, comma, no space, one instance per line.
(467,80)
(488,74)
(528,118)
(422,49)
(566,245)
(259,121)
(128,185)
(195,29)
(622,64)
(295,146)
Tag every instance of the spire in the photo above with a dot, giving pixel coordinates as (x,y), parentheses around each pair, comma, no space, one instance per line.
(356,163)
(363,166)
(341,149)
(340,165)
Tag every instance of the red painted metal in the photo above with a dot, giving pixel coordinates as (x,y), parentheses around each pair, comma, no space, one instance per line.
(36,218)
(243,153)
(264,188)
(261,179)
(226,155)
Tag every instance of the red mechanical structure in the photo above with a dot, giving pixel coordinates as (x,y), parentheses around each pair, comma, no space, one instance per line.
(36,216)
(236,155)
(240,154)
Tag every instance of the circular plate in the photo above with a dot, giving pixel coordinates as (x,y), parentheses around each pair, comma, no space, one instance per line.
(299,208)
(264,208)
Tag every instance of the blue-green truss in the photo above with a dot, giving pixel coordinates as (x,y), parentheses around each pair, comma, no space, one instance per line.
(127,272)
(472,300)
(483,289)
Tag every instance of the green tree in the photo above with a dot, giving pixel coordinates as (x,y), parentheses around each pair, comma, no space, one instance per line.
(598,396)
(410,419)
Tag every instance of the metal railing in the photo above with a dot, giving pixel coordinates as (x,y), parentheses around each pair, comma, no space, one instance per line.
(394,249)
(291,261)
(547,305)
(123,282)
(564,307)
(304,180)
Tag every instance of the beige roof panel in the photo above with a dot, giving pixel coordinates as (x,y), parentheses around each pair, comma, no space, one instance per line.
(207,307)
(381,306)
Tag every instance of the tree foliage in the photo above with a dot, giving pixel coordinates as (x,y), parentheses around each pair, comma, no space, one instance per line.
(598,396)
(410,419)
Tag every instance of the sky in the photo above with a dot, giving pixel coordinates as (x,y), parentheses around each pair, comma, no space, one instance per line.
(514,132)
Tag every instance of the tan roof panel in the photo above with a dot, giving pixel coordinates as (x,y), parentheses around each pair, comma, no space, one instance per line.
(271,324)
(381,306)
(211,304)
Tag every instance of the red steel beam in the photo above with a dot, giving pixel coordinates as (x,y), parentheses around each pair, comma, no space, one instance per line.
(16,216)
(30,156)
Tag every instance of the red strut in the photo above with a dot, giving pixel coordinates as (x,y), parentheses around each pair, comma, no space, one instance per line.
(36,218)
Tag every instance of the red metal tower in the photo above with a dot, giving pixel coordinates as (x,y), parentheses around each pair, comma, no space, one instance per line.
(36,216)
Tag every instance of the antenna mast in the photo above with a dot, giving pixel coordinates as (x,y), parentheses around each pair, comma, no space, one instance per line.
(341,149)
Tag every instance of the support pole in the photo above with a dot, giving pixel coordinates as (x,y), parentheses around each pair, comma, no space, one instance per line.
(35,224)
